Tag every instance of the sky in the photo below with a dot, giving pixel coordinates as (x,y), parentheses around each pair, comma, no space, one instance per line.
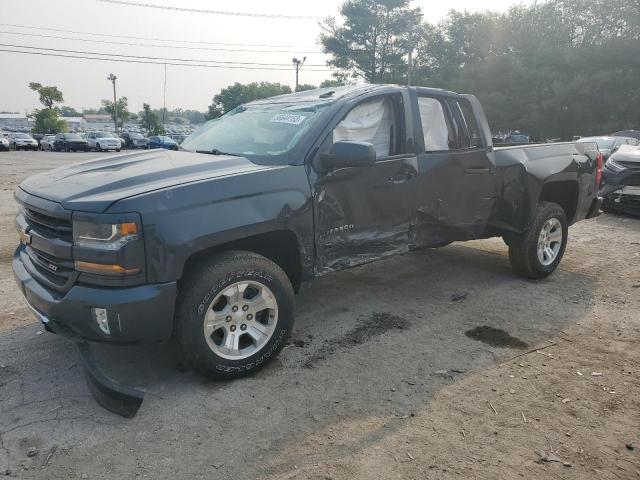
(200,35)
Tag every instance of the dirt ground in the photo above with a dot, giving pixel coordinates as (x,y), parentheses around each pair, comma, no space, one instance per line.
(434,365)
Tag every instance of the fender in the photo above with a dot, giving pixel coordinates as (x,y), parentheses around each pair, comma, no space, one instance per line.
(188,219)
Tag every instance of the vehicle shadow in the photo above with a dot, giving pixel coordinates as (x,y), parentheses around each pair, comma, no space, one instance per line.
(376,341)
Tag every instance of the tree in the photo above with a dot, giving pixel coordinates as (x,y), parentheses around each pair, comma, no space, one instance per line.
(66,111)
(332,83)
(305,86)
(46,121)
(122,105)
(238,93)
(149,120)
(49,96)
(373,40)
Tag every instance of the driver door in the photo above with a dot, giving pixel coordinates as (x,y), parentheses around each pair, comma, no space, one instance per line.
(363,213)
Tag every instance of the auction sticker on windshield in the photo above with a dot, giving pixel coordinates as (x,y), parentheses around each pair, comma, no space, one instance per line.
(288,118)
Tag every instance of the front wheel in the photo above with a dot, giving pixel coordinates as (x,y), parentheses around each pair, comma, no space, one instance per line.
(537,252)
(234,315)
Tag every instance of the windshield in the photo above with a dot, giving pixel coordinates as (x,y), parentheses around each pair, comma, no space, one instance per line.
(22,135)
(258,130)
(603,143)
(72,136)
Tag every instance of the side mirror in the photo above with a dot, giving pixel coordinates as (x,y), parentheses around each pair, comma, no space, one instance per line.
(348,154)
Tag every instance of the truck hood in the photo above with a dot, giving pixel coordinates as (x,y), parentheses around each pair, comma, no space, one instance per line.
(96,184)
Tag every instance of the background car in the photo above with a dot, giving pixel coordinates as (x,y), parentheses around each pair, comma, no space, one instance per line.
(136,140)
(162,141)
(70,142)
(609,145)
(628,133)
(22,141)
(100,141)
(46,143)
(4,144)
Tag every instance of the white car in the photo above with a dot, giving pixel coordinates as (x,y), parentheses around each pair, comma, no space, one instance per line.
(4,144)
(46,143)
(23,141)
(100,141)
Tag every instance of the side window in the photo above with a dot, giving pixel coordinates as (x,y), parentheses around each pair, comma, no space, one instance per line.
(469,132)
(436,126)
(373,121)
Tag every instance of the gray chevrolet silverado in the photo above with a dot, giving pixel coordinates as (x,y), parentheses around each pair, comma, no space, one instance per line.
(210,243)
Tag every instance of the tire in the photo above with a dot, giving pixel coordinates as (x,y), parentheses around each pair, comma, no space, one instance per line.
(202,293)
(524,254)
(608,206)
(118,150)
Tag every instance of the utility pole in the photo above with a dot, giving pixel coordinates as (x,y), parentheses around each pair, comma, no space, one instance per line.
(409,65)
(298,65)
(113,79)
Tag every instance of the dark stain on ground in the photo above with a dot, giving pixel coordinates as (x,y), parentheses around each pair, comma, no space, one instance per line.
(376,325)
(495,337)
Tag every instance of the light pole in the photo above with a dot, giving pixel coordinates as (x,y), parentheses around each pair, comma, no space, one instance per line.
(113,79)
(298,65)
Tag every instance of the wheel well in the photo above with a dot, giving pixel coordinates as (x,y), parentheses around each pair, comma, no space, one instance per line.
(281,247)
(564,194)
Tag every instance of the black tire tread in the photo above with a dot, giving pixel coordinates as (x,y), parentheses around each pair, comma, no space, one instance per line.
(521,253)
(212,271)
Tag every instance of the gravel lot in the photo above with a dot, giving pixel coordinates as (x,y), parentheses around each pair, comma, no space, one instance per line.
(436,364)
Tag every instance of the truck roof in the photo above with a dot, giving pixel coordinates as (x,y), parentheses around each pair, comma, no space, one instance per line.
(331,94)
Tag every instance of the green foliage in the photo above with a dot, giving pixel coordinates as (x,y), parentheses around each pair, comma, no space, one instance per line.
(238,93)
(332,83)
(150,121)
(66,111)
(47,121)
(305,86)
(556,68)
(373,39)
(49,96)
(122,106)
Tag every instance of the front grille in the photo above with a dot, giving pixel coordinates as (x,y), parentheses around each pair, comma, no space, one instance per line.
(58,271)
(49,226)
(633,180)
(630,165)
(52,233)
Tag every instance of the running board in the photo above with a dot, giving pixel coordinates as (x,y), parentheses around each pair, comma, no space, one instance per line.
(109,393)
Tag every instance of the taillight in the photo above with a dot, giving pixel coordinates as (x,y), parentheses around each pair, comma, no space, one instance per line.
(599,165)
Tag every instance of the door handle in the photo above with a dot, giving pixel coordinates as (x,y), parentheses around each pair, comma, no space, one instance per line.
(477,170)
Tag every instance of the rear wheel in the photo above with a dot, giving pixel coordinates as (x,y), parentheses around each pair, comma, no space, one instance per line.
(537,252)
(235,313)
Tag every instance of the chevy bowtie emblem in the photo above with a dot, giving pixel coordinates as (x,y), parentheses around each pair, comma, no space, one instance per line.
(25,238)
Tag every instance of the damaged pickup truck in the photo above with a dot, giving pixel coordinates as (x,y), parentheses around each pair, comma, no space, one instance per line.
(621,182)
(210,243)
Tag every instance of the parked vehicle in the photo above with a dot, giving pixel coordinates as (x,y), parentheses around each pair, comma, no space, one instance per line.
(628,133)
(101,141)
(212,242)
(70,142)
(46,143)
(22,141)
(137,140)
(609,145)
(621,181)
(4,144)
(162,141)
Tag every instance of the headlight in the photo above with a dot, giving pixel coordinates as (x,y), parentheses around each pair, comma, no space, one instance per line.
(104,236)
(612,165)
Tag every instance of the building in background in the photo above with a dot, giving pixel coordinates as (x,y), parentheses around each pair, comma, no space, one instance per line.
(74,124)
(10,121)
